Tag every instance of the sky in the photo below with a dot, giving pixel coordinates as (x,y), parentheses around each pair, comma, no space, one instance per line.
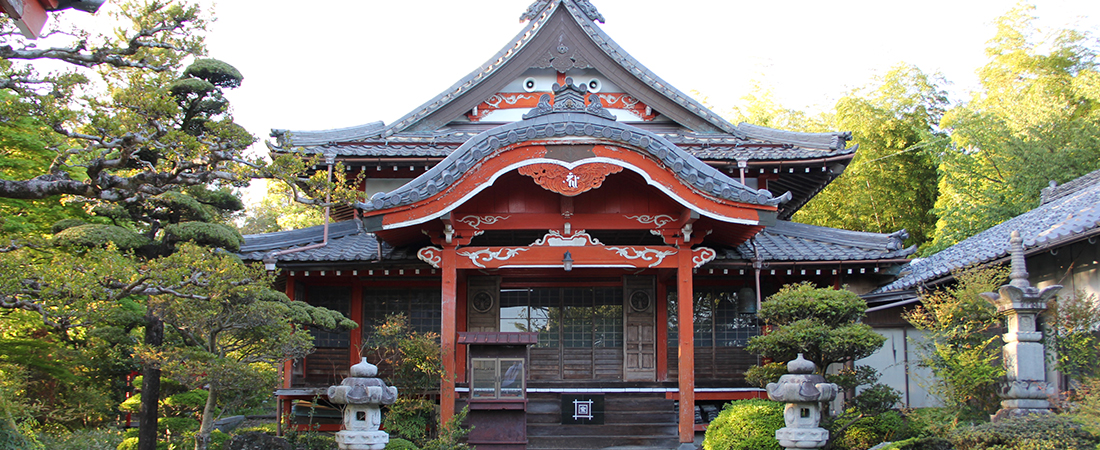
(351,62)
(338,63)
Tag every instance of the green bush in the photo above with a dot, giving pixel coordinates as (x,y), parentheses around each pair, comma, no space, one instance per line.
(268,428)
(1035,432)
(745,425)
(132,444)
(877,399)
(64,224)
(205,234)
(409,418)
(217,440)
(310,440)
(924,443)
(400,444)
(868,431)
(99,235)
(177,425)
(84,439)
(184,402)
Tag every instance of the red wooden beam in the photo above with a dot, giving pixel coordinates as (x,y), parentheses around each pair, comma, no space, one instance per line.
(548,256)
(29,15)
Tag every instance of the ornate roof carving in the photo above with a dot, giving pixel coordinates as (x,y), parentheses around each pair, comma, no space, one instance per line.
(539,6)
(568,98)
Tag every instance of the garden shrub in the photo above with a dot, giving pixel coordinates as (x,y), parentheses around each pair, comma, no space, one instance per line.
(177,425)
(82,439)
(184,402)
(1035,432)
(94,235)
(921,443)
(132,444)
(877,399)
(868,431)
(267,428)
(745,425)
(217,440)
(65,224)
(409,418)
(400,444)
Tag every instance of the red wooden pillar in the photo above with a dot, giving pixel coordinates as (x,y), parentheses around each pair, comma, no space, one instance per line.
(685,296)
(448,333)
(286,372)
(356,314)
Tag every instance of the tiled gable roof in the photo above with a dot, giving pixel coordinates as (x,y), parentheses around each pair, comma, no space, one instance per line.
(790,241)
(687,168)
(1064,216)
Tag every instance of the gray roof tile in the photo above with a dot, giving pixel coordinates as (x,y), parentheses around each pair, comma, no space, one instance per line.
(689,169)
(1072,212)
(790,241)
(785,241)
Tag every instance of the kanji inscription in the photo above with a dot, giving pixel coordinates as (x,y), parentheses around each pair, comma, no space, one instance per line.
(570,182)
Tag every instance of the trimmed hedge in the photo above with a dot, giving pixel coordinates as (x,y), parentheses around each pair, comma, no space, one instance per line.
(1034,432)
(746,425)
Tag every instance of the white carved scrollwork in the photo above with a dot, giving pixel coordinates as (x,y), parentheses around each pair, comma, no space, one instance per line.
(702,255)
(431,255)
(644,254)
(477,221)
(658,221)
(555,239)
(486,255)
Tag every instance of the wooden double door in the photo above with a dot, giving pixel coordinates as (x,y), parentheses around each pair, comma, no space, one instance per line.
(585,332)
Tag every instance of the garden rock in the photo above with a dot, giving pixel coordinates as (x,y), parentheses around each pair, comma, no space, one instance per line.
(227,424)
(254,440)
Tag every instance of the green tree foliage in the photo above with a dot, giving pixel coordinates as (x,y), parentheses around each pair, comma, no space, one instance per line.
(962,343)
(891,183)
(1035,120)
(138,134)
(1072,331)
(233,327)
(821,323)
(411,361)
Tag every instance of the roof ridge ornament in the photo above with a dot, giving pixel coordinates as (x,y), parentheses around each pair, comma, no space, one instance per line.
(569,98)
(539,6)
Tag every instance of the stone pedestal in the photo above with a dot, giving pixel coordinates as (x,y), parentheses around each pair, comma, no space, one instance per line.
(1025,389)
(363,394)
(803,391)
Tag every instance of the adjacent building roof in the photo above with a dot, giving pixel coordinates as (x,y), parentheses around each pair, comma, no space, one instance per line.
(790,241)
(1069,212)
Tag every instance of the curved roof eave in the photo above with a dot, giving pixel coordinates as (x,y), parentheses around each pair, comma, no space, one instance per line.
(689,170)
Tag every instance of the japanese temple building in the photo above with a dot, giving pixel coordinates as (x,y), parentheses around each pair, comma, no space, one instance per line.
(565,190)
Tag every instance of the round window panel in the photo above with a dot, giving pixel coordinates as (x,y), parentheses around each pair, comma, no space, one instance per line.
(639,301)
(482,302)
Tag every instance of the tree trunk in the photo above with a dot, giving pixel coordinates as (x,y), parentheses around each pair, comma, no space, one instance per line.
(202,438)
(150,387)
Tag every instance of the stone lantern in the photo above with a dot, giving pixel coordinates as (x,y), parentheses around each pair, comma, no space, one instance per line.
(363,394)
(803,391)
(1025,389)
